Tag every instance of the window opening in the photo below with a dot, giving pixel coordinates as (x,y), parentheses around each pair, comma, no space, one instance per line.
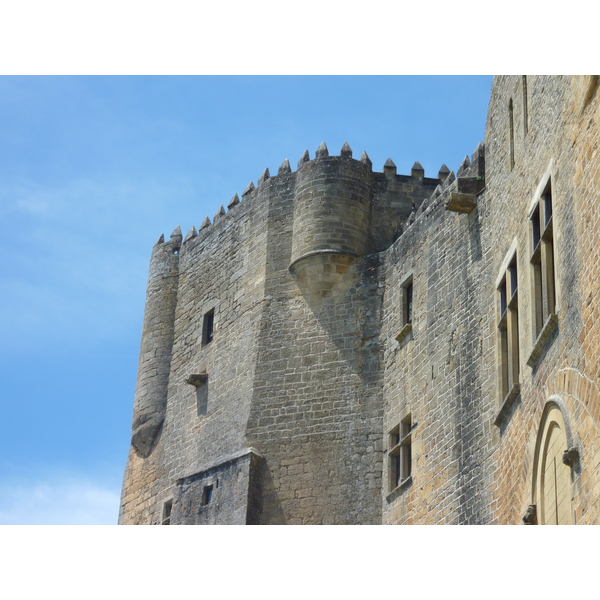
(511,135)
(407,309)
(547,196)
(535,227)
(542,260)
(400,454)
(207,495)
(525,107)
(208,327)
(408,294)
(406,448)
(167,508)
(508,330)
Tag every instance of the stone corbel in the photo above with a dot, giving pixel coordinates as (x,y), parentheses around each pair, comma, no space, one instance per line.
(570,456)
(530,516)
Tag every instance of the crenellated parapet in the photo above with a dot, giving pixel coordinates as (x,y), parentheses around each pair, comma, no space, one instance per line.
(355,177)
(456,192)
(460,194)
(332,206)
(332,216)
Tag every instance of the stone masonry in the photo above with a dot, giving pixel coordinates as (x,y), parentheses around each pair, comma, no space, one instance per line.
(346,346)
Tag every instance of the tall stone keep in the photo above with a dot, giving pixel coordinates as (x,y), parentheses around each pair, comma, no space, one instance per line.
(350,346)
(259,397)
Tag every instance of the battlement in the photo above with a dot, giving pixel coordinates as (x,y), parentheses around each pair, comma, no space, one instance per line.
(455,192)
(380,179)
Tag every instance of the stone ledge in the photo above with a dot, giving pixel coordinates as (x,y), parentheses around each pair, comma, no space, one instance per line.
(320,252)
(198,379)
(404,332)
(397,491)
(460,203)
(507,403)
(461,195)
(543,340)
(219,462)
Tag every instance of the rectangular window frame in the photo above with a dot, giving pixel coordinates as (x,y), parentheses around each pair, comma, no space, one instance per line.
(544,316)
(407,308)
(167,510)
(507,327)
(400,454)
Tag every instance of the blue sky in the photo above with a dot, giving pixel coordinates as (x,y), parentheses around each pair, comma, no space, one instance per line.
(92,171)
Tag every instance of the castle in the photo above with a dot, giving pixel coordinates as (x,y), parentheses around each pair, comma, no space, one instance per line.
(346,346)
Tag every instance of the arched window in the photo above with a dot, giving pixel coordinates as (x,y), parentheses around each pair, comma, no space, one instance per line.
(551,476)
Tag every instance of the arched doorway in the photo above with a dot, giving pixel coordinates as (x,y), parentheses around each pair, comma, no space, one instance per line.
(551,475)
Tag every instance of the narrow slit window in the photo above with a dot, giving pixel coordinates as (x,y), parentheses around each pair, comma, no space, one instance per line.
(408,295)
(207,494)
(406,309)
(525,106)
(536,227)
(511,136)
(208,327)
(167,509)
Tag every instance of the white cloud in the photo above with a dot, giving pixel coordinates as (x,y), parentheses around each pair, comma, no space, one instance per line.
(58,503)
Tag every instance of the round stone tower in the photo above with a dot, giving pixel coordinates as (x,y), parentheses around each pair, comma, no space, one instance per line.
(157,343)
(332,217)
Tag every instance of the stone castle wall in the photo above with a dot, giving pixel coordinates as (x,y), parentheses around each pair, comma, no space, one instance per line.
(319,381)
(292,370)
(558,133)
(216,273)
(438,373)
